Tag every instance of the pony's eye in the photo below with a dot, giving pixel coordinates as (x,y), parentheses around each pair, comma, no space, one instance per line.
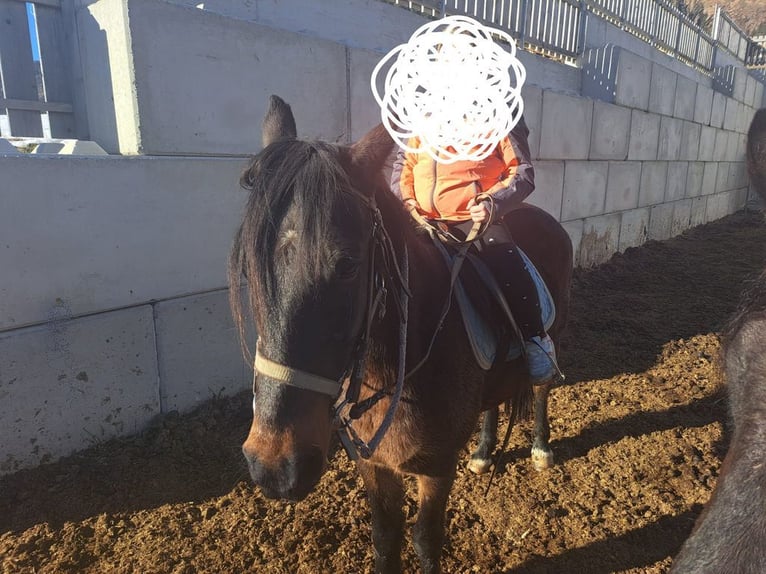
(346,268)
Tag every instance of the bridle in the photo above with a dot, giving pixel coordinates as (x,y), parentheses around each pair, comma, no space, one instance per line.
(350,408)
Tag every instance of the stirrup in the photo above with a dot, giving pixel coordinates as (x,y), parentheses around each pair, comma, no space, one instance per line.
(541,359)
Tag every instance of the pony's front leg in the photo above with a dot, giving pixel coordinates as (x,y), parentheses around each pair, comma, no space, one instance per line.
(481,459)
(542,455)
(385,492)
(428,535)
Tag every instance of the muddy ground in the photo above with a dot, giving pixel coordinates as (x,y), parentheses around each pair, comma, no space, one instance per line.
(638,431)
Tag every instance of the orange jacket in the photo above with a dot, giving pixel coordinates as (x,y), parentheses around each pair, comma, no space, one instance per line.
(443,191)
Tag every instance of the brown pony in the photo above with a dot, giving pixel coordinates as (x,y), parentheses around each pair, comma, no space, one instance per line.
(730,535)
(343,288)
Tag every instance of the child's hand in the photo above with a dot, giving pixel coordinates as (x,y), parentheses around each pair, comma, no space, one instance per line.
(479,212)
(410,204)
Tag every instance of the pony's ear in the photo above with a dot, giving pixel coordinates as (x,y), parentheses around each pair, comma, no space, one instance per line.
(278,123)
(370,153)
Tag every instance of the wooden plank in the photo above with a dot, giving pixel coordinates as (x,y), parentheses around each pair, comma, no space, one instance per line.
(35,106)
(56,67)
(18,68)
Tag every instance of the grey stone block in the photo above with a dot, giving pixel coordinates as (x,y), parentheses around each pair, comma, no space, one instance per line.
(622,185)
(533,109)
(634,228)
(750,91)
(549,187)
(662,95)
(584,189)
(703,105)
(740,83)
(574,230)
(682,213)
(686,95)
(716,207)
(721,143)
(746,114)
(600,239)
(633,81)
(709,176)
(698,211)
(71,383)
(732,146)
(722,177)
(644,136)
(654,176)
(611,128)
(707,143)
(718,110)
(566,126)
(199,351)
(694,179)
(690,141)
(671,131)
(758,98)
(676,182)
(661,221)
(730,115)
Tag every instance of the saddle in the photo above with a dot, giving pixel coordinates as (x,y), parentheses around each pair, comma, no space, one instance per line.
(478,295)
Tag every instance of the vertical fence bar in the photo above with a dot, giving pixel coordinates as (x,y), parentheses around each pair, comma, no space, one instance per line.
(19,78)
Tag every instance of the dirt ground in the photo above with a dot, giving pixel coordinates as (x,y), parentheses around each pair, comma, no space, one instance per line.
(638,431)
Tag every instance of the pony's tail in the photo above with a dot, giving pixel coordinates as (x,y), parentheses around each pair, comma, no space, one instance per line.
(236,270)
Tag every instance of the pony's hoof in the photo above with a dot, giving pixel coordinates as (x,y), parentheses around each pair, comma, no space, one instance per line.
(479,465)
(542,459)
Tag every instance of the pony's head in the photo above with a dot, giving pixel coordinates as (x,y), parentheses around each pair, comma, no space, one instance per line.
(304,247)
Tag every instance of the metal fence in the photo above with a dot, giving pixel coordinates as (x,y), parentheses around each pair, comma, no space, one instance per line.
(557,27)
(35,78)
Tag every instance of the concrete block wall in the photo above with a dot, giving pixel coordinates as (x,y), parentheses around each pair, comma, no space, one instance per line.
(117,308)
(662,154)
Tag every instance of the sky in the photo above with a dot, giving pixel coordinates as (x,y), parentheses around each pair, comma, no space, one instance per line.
(33,32)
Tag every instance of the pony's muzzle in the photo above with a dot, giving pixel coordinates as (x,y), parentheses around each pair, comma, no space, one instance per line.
(292,477)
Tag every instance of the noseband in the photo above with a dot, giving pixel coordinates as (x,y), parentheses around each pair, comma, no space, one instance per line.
(388,270)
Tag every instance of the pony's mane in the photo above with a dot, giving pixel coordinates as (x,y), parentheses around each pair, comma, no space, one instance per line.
(305,181)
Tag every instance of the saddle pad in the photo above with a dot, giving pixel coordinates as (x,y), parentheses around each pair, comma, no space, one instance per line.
(478,329)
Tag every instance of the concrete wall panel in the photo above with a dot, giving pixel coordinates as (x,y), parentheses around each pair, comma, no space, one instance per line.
(654,175)
(622,185)
(690,141)
(676,182)
(113,232)
(660,221)
(364,110)
(611,129)
(662,96)
(644,136)
(707,143)
(730,115)
(671,132)
(682,212)
(709,176)
(634,75)
(566,126)
(698,211)
(686,97)
(242,64)
(71,383)
(694,179)
(718,110)
(600,239)
(634,228)
(574,229)
(198,351)
(549,187)
(703,104)
(584,189)
(533,110)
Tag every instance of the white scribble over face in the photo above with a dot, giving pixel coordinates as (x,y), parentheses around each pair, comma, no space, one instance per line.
(452,86)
